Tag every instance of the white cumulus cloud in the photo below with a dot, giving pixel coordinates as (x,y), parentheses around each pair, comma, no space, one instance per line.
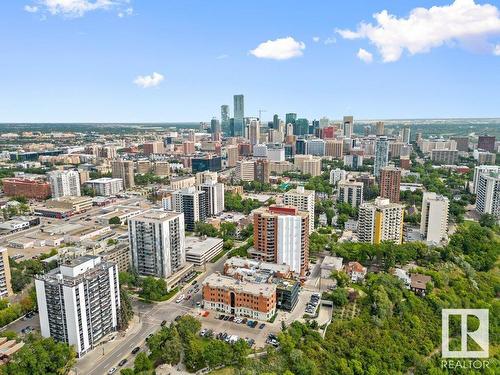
(496,50)
(279,49)
(78,8)
(330,40)
(31,8)
(365,56)
(463,21)
(315,39)
(149,80)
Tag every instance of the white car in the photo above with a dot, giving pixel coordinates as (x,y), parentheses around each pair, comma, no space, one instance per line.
(180,299)
(112,370)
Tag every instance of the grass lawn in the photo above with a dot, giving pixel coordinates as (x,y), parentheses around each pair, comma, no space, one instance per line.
(223,371)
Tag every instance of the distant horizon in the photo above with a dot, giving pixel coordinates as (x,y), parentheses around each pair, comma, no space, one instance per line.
(265,120)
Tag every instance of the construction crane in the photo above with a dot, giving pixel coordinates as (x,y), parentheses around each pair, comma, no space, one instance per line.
(260,114)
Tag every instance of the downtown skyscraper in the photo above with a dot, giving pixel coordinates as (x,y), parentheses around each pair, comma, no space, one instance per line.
(381,155)
(224,118)
(239,115)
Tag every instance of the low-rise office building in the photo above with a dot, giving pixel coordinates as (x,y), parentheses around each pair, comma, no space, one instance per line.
(200,250)
(71,203)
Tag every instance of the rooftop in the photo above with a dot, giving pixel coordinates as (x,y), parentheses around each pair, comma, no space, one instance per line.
(225,282)
(156,215)
(200,245)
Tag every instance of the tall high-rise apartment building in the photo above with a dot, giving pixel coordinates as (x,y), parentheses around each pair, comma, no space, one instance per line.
(276,122)
(380,221)
(79,302)
(380,130)
(64,183)
(261,170)
(254,132)
(315,147)
(156,147)
(434,217)
(281,236)
(483,169)
(215,129)
(157,243)
(351,192)
(193,203)
(334,148)
(232,155)
(224,118)
(302,199)
(348,126)
(390,183)
(215,196)
(245,170)
(406,135)
(337,175)
(239,116)
(381,155)
(188,148)
(486,142)
(124,169)
(488,194)
(308,164)
(5,277)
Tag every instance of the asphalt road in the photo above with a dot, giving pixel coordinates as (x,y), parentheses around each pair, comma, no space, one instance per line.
(150,319)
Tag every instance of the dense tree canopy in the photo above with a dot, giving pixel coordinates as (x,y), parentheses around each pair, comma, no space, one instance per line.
(41,356)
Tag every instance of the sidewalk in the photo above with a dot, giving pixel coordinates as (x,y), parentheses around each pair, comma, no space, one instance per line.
(85,364)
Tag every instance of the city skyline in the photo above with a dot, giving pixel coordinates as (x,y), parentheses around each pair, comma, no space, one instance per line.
(127,61)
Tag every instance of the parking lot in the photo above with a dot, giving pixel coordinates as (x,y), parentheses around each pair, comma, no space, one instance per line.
(259,332)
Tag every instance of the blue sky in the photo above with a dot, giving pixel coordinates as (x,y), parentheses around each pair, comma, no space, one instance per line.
(77,60)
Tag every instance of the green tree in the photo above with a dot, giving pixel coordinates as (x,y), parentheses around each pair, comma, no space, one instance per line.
(88,191)
(115,220)
(41,356)
(228,229)
(338,297)
(143,364)
(487,220)
(153,289)
(126,311)
(341,277)
(205,229)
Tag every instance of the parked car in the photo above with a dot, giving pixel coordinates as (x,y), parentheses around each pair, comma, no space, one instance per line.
(262,325)
(122,362)
(163,323)
(136,350)
(112,370)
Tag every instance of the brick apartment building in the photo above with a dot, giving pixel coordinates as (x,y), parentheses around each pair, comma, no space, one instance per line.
(239,298)
(390,182)
(26,187)
(281,235)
